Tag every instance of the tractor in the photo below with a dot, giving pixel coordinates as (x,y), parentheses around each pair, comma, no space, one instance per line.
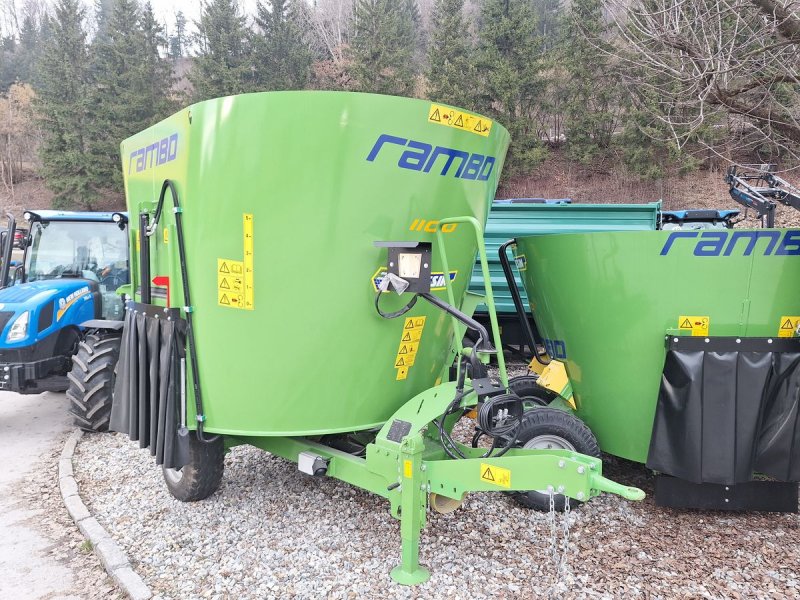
(60,314)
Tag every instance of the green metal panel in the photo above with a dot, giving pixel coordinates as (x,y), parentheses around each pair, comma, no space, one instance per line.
(321,184)
(507,221)
(611,297)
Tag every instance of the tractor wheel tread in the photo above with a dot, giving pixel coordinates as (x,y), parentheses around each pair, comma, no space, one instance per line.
(92,381)
(98,354)
(77,382)
(81,364)
(74,400)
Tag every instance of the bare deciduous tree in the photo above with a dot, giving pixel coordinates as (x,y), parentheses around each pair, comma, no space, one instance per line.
(700,66)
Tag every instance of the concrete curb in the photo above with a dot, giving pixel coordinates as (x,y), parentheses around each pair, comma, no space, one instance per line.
(111,555)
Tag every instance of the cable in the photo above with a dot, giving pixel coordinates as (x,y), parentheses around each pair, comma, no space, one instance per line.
(397,313)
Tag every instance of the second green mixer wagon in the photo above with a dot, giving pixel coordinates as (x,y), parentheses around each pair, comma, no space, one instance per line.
(299,284)
(679,349)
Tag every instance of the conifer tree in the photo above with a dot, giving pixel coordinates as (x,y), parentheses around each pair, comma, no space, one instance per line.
(61,104)
(131,83)
(224,64)
(451,76)
(593,99)
(282,58)
(383,46)
(177,41)
(509,64)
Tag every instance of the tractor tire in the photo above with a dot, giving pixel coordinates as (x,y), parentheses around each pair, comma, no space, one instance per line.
(91,381)
(550,428)
(528,388)
(202,476)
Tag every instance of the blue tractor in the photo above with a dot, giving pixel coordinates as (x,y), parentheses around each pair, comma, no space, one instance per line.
(60,314)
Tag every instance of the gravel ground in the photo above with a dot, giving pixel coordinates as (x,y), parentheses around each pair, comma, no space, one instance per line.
(271,532)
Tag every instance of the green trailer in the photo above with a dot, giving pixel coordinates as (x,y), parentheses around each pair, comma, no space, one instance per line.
(680,350)
(264,220)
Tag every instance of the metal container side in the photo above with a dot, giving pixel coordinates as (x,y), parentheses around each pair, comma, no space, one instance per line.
(322,175)
(507,221)
(611,298)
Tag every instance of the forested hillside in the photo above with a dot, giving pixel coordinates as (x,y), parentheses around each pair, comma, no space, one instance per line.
(611,100)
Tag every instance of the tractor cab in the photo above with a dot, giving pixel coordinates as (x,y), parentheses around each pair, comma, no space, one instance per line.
(61,290)
(75,250)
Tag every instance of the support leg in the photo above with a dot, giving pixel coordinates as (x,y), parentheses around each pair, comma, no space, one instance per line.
(412,516)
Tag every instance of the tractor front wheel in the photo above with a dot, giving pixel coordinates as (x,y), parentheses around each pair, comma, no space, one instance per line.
(552,429)
(91,381)
(201,477)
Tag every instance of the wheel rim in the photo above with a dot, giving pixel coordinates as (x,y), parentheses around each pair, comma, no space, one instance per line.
(548,441)
(173,476)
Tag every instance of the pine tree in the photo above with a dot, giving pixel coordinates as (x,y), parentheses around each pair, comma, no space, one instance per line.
(451,75)
(177,42)
(593,99)
(224,63)
(61,104)
(282,59)
(383,46)
(509,65)
(131,85)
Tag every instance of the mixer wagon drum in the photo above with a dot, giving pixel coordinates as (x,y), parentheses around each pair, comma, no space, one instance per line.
(681,351)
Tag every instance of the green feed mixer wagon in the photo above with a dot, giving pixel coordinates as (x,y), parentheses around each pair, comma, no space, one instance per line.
(263,221)
(678,349)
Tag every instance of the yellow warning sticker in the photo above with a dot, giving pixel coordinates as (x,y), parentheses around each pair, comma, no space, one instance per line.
(408,351)
(788,326)
(230,299)
(235,277)
(230,283)
(697,325)
(450,117)
(166,235)
(411,335)
(407,469)
(409,344)
(496,475)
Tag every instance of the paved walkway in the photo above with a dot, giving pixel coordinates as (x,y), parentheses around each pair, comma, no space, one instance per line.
(30,426)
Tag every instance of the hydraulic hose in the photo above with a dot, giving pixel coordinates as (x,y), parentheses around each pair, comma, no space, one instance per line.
(188,309)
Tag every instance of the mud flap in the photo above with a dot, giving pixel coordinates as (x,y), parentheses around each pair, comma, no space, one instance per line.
(728,408)
(147,392)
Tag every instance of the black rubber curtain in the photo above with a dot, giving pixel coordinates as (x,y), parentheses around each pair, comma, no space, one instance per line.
(728,409)
(147,393)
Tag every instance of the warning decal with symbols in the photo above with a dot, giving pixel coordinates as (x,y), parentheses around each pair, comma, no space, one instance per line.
(496,475)
(697,325)
(450,117)
(235,277)
(409,344)
(788,326)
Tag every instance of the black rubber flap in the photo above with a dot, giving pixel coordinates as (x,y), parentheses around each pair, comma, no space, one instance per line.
(147,391)
(728,408)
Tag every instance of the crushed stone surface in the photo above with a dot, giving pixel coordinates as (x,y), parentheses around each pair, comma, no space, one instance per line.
(272,532)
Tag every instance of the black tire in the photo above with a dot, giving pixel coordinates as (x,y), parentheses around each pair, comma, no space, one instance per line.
(91,381)
(557,429)
(528,388)
(201,477)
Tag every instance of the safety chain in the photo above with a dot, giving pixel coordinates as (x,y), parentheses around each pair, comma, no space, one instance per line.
(559,557)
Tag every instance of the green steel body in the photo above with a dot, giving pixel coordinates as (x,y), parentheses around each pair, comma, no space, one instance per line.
(308,356)
(611,298)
